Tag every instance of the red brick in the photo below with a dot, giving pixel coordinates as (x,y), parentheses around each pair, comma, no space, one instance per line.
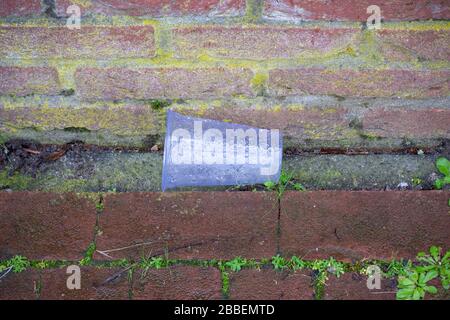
(189,225)
(353,286)
(20,286)
(87,42)
(355,225)
(362,83)
(96,284)
(45,226)
(410,45)
(296,122)
(356,10)
(22,81)
(177,283)
(19,7)
(401,122)
(257,43)
(51,284)
(157,8)
(154,83)
(268,284)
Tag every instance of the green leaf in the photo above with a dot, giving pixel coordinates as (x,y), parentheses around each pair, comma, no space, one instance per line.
(299,187)
(435,252)
(414,276)
(269,184)
(404,294)
(447,254)
(430,289)
(443,166)
(439,183)
(430,276)
(405,282)
(417,294)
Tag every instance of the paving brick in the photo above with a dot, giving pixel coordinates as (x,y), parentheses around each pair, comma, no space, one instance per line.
(413,45)
(258,43)
(177,283)
(356,225)
(96,284)
(88,42)
(19,7)
(353,286)
(51,284)
(22,81)
(156,8)
(400,122)
(189,225)
(156,83)
(363,83)
(355,10)
(45,226)
(20,286)
(268,284)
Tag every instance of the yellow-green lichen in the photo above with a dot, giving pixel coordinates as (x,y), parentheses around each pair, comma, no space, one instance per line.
(258,83)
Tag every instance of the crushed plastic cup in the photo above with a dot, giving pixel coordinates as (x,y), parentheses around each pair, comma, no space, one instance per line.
(202,152)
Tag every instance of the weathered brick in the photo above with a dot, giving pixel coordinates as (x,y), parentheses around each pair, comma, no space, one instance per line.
(360,83)
(410,45)
(156,8)
(402,122)
(19,7)
(51,284)
(295,121)
(188,225)
(126,119)
(356,225)
(257,43)
(177,283)
(155,83)
(355,10)
(268,284)
(22,81)
(20,286)
(45,226)
(87,42)
(96,284)
(353,286)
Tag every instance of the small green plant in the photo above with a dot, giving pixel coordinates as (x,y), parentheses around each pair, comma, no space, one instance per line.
(331,266)
(413,281)
(297,264)
(159,104)
(285,181)
(416,181)
(435,262)
(279,263)
(99,206)
(17,264)
(225,278)
(335,267)
(397,268)
(414,286)
(236,264)
(88,256)
(154,263)
(443,165)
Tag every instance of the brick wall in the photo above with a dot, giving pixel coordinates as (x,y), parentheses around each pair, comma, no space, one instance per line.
(310,68)
(232,52)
